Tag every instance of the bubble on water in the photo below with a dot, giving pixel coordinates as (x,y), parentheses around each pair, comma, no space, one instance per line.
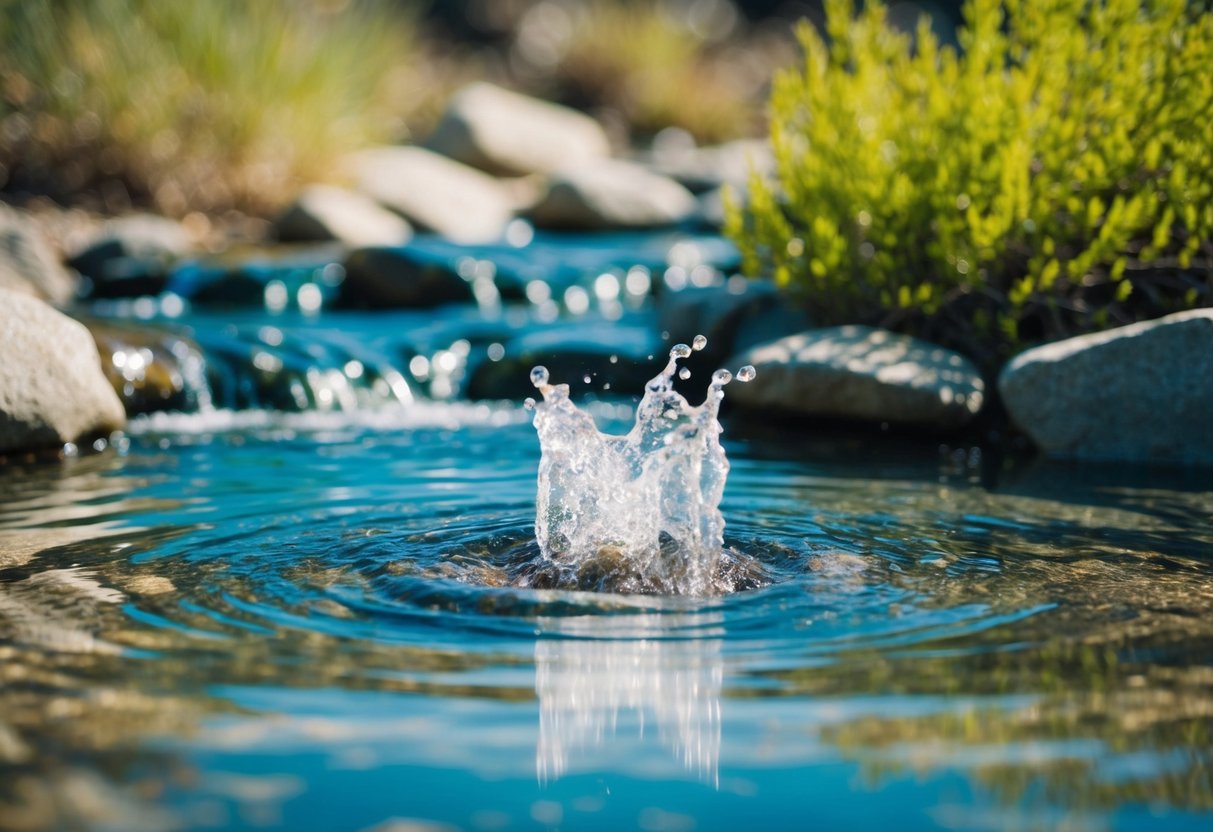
(699,343)
(684,373)
(646,503)
(747,373)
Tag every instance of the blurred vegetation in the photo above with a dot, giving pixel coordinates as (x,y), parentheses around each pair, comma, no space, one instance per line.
(197,106)
(654,65)
(1053,174)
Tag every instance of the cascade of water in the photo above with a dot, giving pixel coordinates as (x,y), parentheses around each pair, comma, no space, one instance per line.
(645,504)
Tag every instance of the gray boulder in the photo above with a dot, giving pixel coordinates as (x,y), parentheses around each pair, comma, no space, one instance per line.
(27,263)
(610,193)
(434,192)
(52,388)
(859,372)
(323,212)
(1137,393)
(509,134)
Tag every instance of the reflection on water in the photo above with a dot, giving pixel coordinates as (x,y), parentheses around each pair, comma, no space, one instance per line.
(600,676)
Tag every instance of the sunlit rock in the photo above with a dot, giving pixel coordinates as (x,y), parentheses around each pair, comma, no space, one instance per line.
(858,372)
(510,134)
(131,256)
(611,193)
(434,192)
(52,389)
(324,212)
(27,263)
(1141,392)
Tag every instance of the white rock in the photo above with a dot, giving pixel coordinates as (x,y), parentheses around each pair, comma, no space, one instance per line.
(510,134)
(611,193)
(325,212)
(52,388)
(434,192)
(27,263)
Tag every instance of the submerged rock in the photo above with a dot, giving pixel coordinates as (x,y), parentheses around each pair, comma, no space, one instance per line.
(435,192)
(505,133)
(27,263)
(325,213)
(131,256)
(859,372)
(52,389)
(1142,392)
(401,277)
(151,369)
(610,193)
(609,354)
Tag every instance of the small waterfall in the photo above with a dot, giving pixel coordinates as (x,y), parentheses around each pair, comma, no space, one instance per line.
(641,510)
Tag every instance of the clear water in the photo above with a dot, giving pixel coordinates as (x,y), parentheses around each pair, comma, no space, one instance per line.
(318,621)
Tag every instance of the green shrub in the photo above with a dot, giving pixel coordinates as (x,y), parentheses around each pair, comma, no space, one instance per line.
(1053,174)
(197,105)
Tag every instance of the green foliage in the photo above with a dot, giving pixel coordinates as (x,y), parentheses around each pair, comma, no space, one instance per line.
(197,104)
(1044,178)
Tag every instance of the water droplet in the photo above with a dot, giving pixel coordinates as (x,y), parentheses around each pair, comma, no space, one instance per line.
(684,373)
(586,378)
(699,343)
(747,373)
(539,376)
(721,377)
(529,403)
(614,359)
(680,351)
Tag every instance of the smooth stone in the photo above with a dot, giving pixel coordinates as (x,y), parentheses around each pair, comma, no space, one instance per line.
(509,134)
(324,213)
(1142,392)
(437,193)
(611,193)
(131,256)
(704,168)
(571,352)
(733,317)
(27,262)
(401,277)
(52,389)
(859,372)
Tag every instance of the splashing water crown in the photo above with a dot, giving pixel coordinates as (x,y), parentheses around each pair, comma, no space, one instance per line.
(647,502)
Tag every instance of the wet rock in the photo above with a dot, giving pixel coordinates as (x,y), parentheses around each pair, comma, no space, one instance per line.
(734,316)
(289,276)
(401,277)
(705,168)
(27,263)
(131,256)
(324,213)
(1137,393)
(434,192)
(610,193)
(609,354)
(151,369)
(505,133)
(52,390)
(858,372)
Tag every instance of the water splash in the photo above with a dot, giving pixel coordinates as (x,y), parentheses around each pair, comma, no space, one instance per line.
(639,512)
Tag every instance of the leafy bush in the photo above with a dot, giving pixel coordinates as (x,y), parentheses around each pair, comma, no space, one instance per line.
(1053,174)
(198,105)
